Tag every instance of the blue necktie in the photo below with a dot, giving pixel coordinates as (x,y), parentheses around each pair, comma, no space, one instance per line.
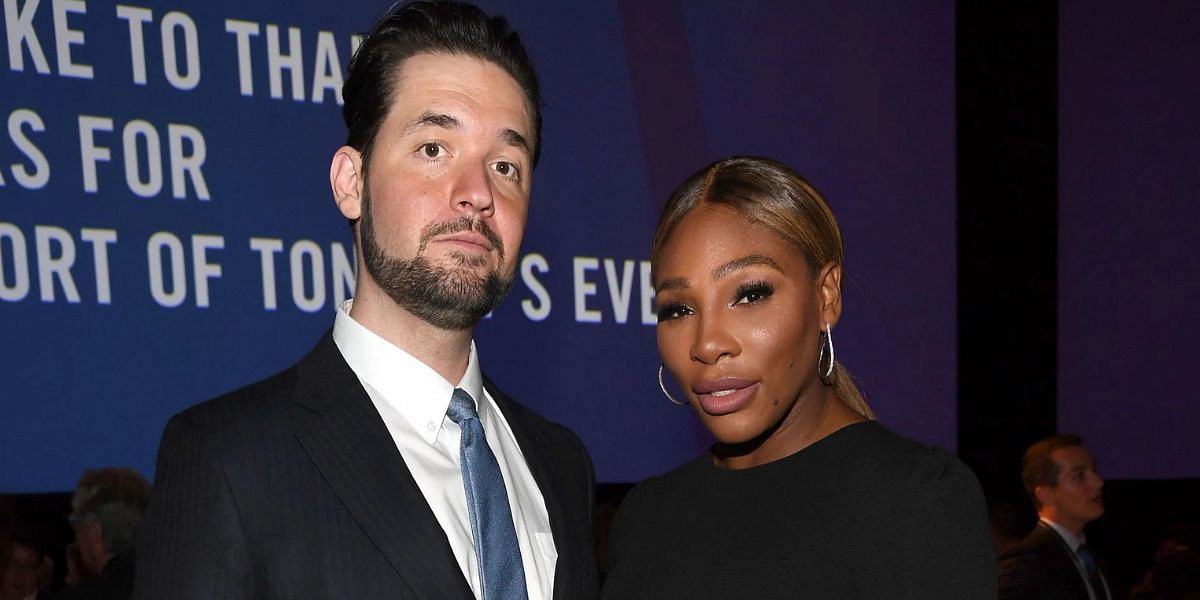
(1094,579)
(501,574)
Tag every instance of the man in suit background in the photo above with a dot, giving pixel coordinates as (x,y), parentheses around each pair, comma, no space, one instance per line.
(106,512)
(343,476)
(1054,562)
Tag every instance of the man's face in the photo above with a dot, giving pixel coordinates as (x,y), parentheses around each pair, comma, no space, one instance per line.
(91,545)
(1076,497)
(446,190)
(20,576)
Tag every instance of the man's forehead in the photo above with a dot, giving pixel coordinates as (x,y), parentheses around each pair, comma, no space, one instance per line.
(1072,457)
(436,70)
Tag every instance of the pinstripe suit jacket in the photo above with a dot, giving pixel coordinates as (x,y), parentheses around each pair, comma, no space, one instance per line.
(293,488)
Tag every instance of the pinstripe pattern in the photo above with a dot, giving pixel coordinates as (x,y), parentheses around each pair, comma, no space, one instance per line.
(292,488)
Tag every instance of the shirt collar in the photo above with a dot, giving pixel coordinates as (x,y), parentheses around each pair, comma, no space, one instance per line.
(419,394)
(1073,542)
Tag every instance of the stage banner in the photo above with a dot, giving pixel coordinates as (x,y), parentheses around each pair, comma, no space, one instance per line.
(167,232)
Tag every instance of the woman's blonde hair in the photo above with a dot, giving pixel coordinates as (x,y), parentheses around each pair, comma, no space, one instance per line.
(771,194)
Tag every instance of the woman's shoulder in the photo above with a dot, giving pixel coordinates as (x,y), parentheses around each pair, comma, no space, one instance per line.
(644,509)
(883,453)
(679,481)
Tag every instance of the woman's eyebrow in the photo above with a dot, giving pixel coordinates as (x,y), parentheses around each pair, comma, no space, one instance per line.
(743,262)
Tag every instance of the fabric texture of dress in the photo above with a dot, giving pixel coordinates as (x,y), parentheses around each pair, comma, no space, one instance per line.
(861,514)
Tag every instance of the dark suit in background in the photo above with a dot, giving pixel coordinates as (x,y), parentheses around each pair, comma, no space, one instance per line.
(1041,567)
(293,488)
(115,582)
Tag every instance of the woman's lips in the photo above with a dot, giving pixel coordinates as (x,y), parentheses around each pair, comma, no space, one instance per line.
(723,396)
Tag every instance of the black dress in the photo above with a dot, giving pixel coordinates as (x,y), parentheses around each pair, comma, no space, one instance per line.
(862,513)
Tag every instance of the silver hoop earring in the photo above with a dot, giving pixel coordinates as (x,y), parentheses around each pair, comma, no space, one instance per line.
(662,385)
(826,340)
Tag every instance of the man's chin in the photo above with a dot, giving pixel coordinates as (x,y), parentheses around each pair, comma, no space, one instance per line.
(459,259)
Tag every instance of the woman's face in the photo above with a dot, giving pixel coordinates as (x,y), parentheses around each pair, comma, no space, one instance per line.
(740,315)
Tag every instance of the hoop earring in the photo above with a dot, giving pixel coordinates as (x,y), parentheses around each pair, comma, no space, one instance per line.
(826,340)
(663,387)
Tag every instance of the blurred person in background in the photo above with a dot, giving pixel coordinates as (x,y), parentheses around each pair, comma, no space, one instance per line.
(1054,561)
(24,565)
(106,513)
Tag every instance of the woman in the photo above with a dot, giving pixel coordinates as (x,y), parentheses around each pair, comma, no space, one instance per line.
(803,495)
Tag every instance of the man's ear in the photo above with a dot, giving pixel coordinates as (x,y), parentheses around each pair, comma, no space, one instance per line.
(829,284)
(1042,493)
(345,177)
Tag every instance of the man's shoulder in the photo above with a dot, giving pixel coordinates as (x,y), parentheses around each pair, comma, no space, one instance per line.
(1039,544)
(520,416)
(255,409)
(251,401)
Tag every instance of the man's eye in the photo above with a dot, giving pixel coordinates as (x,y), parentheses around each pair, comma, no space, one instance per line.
(431,150)
(506,168)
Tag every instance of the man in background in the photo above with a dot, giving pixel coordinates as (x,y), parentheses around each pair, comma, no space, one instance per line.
(106,513)
(26,560)
(1054,562)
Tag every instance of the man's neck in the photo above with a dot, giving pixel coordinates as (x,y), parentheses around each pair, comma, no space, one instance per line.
(444,351)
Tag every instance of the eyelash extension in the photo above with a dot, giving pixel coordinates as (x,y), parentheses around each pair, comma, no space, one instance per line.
(761,289)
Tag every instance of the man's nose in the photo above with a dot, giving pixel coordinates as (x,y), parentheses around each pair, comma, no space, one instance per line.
(472,193)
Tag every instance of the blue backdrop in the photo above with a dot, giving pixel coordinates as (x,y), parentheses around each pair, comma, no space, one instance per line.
(167,231)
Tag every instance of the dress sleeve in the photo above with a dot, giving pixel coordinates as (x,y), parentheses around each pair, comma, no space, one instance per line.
(949,553)
(191,544)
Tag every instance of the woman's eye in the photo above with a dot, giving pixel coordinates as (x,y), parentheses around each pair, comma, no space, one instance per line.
(673,311)
(432,149)
(752,293)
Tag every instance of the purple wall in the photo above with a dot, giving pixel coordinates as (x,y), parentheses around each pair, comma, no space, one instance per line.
(1129,225)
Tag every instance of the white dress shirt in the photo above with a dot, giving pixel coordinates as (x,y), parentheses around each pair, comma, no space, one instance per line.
(413,399)
(1074,543)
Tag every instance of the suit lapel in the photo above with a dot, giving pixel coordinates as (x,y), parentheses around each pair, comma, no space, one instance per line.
(349,444)
(1068,556)
(536,453)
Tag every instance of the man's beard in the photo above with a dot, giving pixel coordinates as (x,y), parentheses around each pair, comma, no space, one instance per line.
(445,297)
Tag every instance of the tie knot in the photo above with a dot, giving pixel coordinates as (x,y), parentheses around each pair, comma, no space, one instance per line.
(462,407)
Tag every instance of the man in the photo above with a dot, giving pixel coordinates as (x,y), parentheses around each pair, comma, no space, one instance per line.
(362,471)
(1054,562)
(24,564)
(106,512)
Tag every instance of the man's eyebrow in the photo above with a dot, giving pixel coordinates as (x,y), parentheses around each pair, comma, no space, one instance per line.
(675,283)
(515,139)
(432,119)
(743,262)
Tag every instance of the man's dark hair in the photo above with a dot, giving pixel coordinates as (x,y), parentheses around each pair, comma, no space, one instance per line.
(1038,468)
(421,27)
